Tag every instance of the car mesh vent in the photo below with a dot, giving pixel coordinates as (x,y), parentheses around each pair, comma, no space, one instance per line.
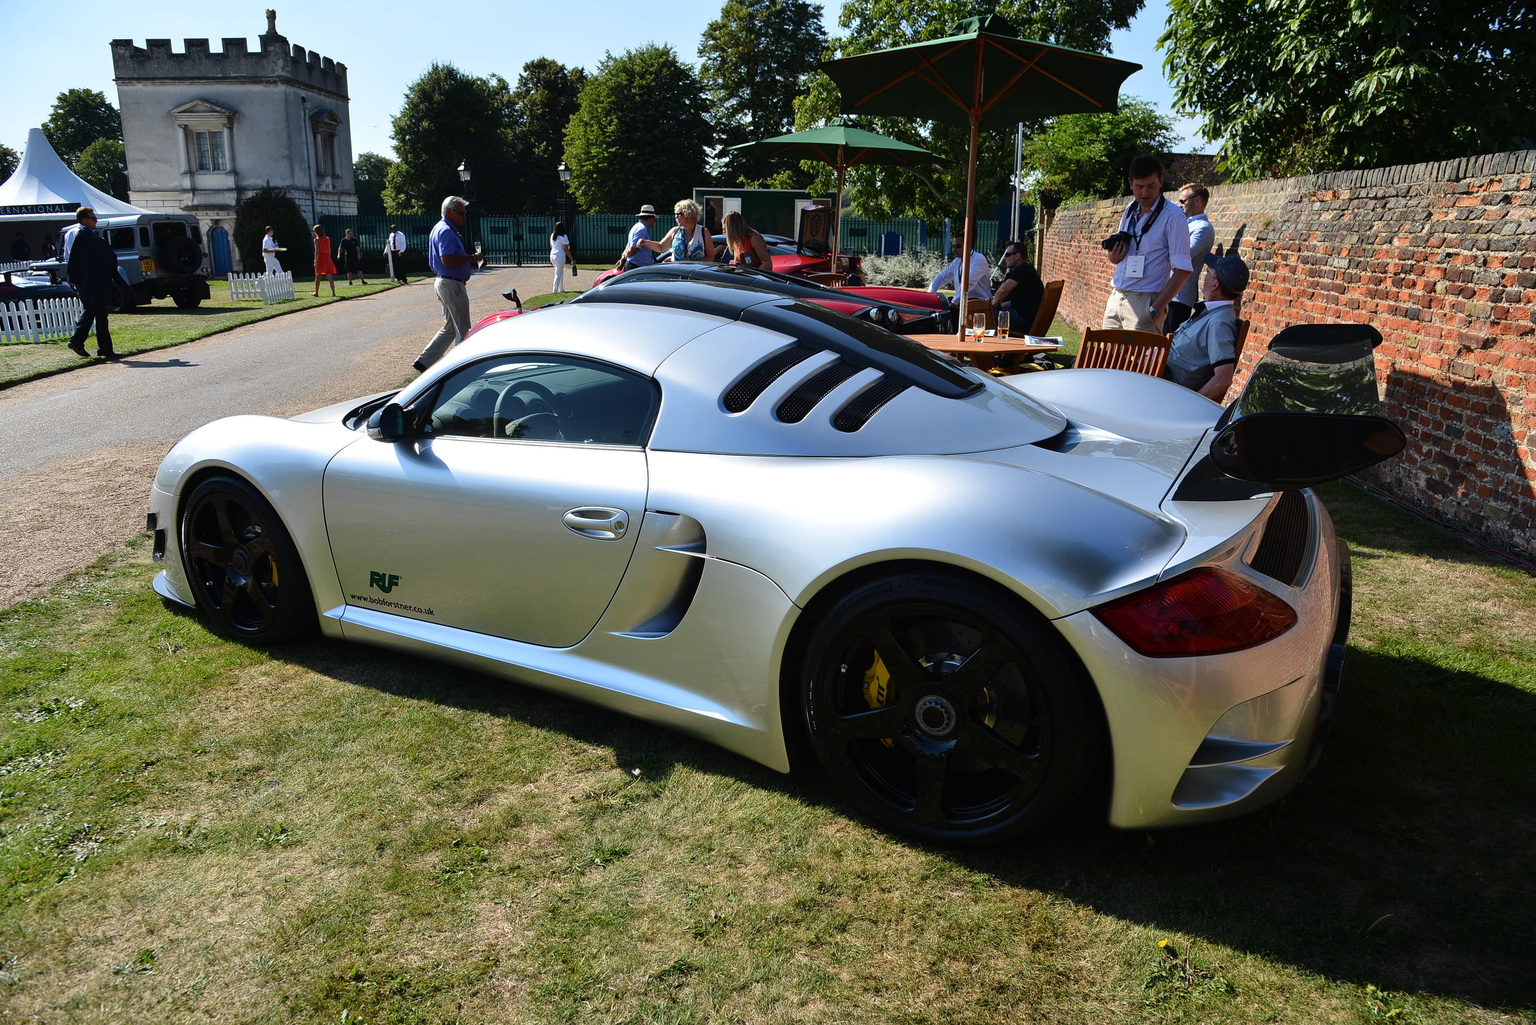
(750,385)
(1283,548)
(799,403)
(867,403)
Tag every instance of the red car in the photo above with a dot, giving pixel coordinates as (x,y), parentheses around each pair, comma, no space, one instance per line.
(907,306)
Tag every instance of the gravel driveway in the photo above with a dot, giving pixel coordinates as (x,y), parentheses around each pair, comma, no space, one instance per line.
(82,447)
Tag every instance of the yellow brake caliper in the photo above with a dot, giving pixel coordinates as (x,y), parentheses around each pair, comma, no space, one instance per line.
(877,690)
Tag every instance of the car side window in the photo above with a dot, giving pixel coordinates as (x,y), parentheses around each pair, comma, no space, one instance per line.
(121,238)
(545,399)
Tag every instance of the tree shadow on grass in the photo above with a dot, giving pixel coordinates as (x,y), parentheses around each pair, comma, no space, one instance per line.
(1405,862)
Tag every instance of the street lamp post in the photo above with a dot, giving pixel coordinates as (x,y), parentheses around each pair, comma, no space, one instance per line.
(468,234)
(565,194)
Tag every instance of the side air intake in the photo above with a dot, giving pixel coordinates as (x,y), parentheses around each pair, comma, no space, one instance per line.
(740,396)
(799,403)
(867,403)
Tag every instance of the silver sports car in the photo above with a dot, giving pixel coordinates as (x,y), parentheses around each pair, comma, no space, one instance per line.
(787,531)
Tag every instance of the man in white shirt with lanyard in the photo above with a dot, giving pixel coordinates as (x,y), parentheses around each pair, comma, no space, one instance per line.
(1150,253)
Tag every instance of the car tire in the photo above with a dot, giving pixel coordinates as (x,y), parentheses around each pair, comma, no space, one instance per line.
(186,300)
(241,563)
(123,300)
(946,710)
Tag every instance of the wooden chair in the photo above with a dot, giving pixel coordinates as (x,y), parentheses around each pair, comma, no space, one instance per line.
(1046,315)
(828,279)
(1140,351)
(1242,339)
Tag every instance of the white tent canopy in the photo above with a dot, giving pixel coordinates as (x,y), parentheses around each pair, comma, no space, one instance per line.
(43,188)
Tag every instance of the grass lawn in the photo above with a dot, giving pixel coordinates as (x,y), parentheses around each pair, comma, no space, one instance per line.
(193,830)
(160,325)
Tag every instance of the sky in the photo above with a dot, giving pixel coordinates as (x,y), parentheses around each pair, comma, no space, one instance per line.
(388,44)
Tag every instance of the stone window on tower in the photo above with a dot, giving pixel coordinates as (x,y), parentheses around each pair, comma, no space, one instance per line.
(207,133)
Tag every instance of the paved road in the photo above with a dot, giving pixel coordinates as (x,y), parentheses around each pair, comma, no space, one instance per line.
(81,448)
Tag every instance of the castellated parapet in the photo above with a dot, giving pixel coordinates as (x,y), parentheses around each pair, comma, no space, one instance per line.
(276,59)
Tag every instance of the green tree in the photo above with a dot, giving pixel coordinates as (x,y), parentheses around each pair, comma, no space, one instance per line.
(451,118)
(271,205)
(9,160)
(370,174)
(1083,157)
(104,165)
(639,134)
(937,191)
(753,61)
(547,96)
(1305,86)
(79,118)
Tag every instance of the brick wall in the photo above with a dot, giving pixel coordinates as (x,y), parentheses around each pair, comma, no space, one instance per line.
(1441,259)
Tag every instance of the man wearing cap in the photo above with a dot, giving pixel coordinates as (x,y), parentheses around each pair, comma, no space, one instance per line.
(453,266)
(1203,354)
(635,253)
(1151,257)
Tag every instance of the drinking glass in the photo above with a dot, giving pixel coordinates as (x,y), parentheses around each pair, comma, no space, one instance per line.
(979,326)
(1002,323)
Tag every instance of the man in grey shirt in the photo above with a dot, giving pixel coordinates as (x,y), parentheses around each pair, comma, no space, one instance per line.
(1202,236)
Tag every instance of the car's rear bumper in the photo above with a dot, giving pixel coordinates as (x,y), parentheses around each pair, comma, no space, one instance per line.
(1205,738)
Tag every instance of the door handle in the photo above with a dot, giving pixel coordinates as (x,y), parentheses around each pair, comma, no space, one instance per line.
(600,523)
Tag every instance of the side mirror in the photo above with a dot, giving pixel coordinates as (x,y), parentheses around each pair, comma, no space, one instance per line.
(1298,450)
(388,424)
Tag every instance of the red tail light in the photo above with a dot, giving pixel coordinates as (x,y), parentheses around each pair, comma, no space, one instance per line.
(1202,612)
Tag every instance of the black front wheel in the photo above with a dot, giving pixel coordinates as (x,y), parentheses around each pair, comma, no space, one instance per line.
(945,710)
(243,567)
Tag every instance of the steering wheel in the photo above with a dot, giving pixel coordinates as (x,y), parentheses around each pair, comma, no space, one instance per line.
(536,427)
(813,247)
(510,407)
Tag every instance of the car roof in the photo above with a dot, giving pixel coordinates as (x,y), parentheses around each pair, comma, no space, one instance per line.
(730,274)
(859,342)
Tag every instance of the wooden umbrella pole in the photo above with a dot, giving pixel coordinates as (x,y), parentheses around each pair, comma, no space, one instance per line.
(837,214)
(964,296)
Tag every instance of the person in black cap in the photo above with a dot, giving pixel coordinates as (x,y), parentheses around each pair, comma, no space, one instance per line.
(1203,354)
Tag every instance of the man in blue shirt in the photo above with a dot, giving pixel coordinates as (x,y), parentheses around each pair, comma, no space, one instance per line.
(453,266)
(635,254)
(1203,354)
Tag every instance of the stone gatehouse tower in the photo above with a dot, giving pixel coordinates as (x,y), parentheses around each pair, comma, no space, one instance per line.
(203,130)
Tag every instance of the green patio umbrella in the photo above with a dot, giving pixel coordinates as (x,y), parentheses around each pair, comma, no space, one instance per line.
(983,74)
(839,145)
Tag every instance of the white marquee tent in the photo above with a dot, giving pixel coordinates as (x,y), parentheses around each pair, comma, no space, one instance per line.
(44,191)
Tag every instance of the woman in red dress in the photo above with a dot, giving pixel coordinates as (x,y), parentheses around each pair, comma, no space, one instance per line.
(323,262)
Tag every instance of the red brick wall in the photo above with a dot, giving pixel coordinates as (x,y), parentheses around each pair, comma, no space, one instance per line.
(1441,259)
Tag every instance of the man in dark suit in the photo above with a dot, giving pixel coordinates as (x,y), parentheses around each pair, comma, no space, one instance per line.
(93,273)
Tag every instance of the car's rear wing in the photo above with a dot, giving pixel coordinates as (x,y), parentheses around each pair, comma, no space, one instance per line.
(1309,413)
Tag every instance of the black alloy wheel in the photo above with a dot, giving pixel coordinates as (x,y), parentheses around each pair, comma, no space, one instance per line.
(243,567)
(946,710)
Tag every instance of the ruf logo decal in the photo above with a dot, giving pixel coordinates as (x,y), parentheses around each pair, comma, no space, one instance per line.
(383,581)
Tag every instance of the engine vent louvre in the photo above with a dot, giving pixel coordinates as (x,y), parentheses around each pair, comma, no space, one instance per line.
(1283,548)
(799,403)
(741,395)
(867,403)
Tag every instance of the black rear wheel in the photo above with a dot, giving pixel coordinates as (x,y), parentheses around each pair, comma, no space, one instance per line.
(243,567)
(945,710)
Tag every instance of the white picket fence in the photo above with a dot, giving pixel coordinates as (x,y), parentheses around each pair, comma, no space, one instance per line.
(34,320)
(269,288)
